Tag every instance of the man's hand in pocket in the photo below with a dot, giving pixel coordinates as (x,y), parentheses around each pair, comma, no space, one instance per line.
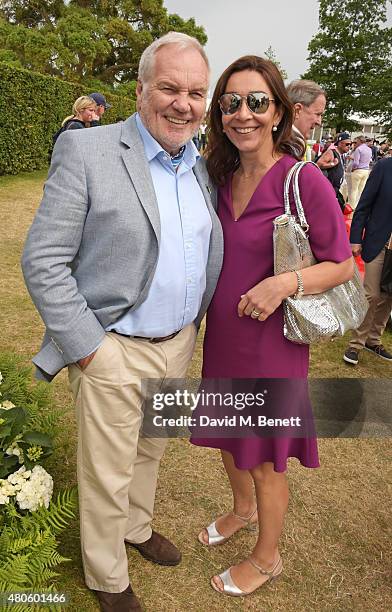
(83,363)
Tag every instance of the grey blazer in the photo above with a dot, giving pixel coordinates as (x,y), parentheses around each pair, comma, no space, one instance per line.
(92,250)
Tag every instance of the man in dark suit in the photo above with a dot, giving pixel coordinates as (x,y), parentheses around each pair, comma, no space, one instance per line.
(370,231)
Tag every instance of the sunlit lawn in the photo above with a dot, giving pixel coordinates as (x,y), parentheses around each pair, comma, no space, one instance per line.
(337,539)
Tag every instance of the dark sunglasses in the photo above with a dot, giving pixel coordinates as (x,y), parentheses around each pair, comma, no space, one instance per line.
(257,102)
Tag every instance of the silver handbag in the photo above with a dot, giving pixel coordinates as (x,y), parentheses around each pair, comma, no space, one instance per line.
(321,316)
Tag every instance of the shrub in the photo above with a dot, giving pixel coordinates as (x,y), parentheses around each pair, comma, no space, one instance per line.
(32,108)
(29,520)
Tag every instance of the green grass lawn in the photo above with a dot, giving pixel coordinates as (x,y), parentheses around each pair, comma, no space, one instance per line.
(337,539)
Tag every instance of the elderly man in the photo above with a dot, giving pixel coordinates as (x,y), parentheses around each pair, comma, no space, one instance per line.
(121,261)
(309,101)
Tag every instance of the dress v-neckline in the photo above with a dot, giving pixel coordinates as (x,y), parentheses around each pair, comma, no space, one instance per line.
(253,194)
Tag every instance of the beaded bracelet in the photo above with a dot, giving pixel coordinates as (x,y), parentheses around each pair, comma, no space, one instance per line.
(300,289)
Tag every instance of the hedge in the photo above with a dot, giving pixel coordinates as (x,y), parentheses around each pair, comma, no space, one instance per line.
(32,108)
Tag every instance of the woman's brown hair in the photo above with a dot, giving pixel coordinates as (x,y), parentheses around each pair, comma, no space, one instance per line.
(222,155)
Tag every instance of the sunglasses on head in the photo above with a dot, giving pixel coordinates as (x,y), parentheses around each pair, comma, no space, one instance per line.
(257,102)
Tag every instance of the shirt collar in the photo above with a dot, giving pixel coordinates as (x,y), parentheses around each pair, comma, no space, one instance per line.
(153,149)
(296,130)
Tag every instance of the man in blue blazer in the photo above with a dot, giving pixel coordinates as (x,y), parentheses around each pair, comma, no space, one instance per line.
(122,261)
(371,229)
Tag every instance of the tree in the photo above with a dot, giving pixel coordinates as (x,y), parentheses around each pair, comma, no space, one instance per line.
(94,42)
(270,55)
(32,13)
(350,57)
(385,113)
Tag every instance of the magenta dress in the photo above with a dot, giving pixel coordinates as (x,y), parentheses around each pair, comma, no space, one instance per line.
(237,347)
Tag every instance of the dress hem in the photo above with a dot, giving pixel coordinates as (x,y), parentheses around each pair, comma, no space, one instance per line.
(279,466)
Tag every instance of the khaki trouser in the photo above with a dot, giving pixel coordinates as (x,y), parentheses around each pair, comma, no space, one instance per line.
(358,182)
(380,305)
(117,470)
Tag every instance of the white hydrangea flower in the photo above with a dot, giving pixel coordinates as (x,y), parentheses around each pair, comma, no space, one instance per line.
(3,498)
(14,450)
(35,491)
(18,478)
(21,472)
(7,490)
(1,378)
(7,405)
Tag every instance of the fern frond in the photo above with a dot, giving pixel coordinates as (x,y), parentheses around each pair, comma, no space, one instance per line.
(17,608)
(60,511)
(46,575)
(45,419)
(10,587)
(42,395)
(15,569)
(18,386)
(4,542)
(18,544)
(55,559)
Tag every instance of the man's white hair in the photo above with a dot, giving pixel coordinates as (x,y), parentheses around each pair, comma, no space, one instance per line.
(183,41)
(304,92)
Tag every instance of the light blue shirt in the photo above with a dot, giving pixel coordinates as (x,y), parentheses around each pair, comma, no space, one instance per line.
(179,281)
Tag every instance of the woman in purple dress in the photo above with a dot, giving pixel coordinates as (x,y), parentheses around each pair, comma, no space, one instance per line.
(250,151)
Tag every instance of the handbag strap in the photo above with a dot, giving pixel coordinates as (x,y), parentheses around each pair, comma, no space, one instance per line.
(293,178)
(286,187)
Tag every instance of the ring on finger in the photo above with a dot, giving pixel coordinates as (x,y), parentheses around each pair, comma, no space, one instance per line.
(255,313)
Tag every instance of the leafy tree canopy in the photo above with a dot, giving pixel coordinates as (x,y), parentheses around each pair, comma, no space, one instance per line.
(350,57)
(94,42)
(271,55)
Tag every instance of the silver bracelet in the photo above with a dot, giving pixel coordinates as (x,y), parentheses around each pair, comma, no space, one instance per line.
(300,288)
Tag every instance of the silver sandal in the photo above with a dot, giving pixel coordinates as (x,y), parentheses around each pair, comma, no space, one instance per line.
(214,537)
(229,588)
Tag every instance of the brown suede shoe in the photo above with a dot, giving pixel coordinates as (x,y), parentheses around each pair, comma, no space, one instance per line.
(159,550)
(119,602)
